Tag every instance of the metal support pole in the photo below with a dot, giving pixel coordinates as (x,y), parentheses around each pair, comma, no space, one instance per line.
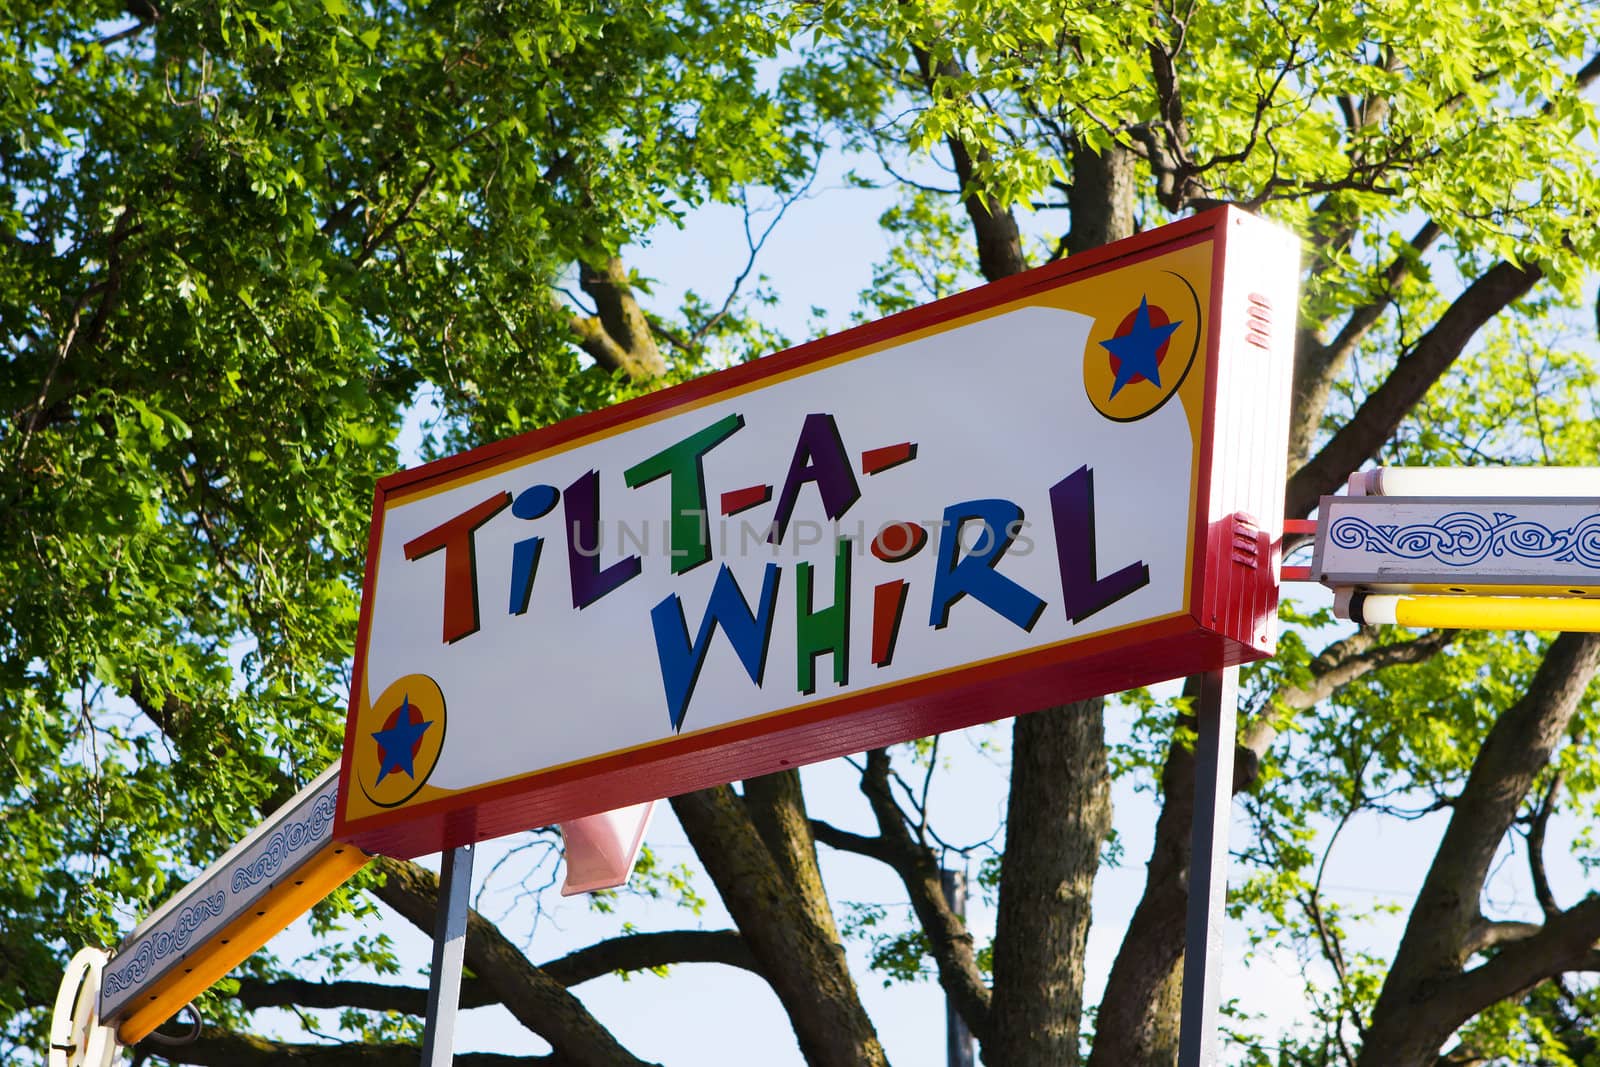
(1217,713)
(449,946)
(958,1039)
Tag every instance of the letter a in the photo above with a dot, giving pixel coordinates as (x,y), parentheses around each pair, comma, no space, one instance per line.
(818,457)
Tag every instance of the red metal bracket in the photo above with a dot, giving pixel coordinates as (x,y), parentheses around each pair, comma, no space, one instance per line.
(1290,573)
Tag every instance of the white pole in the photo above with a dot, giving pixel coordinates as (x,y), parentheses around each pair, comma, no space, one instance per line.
(1216,713)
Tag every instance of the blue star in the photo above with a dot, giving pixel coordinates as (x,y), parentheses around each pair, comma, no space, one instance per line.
(394,744)
(1138,349)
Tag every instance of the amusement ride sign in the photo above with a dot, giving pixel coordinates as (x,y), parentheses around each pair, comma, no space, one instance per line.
(1051,487)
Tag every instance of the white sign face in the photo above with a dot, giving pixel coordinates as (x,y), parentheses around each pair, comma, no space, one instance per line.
(1460,545)
(995,487)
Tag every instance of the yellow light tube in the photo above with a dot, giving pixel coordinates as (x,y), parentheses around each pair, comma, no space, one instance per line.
(1477,612)
(231,945)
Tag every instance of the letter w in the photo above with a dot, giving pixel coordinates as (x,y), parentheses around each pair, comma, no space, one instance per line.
(748,632)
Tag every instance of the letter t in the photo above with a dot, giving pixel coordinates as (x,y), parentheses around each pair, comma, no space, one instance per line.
(681,465)
(460,566)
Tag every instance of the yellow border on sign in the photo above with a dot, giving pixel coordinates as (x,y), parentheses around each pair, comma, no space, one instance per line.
(429,793)
(1091,296)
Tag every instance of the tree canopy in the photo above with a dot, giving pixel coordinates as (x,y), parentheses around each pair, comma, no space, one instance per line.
(242,242)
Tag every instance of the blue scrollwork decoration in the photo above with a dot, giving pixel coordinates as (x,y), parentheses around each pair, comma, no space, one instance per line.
(164,942)
(174,936)
(291,838)
(1464,538)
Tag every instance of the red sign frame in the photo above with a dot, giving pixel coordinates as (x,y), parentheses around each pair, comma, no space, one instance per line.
(1230,618)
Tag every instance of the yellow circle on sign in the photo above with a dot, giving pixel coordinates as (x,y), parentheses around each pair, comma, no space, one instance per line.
(1140,353)
(398,740)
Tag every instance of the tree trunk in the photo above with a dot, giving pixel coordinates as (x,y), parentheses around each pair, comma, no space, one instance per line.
(1101,199)
(1059,815)
(1137,1025)
(801,958)
(1060,802)
(536,1000)
(777,806)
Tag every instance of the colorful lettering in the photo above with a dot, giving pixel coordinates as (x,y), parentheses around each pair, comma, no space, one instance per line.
(1072,512)
(888,608)
(524,564)
(535,502)
(878,460)
(819,630)
(899,541)
(736,500)
(460,563)
(819,457)
(589,582)
(748,632)
(682,465)
(958,575)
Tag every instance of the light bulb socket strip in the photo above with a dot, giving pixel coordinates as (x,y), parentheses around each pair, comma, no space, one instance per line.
(1469,612)
(1477,482)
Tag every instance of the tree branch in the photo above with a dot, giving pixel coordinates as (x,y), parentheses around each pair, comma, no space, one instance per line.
(1317,364)
(1334,668)
(1516,748)
(638,952)
(1586,74)
(754,245)
(1425,996)
(221,1048)
(1134,1025)
(918,868)
(802,961)
(257,993)
(1488,934)
(1381,413)
(377,238)
(1462,1056)
(845,841)
(1536,832)
(777,807)
(633,952)
(1169,157)
(536,999)
(993,224)
(618,336)
(1565,943)
(597,344)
